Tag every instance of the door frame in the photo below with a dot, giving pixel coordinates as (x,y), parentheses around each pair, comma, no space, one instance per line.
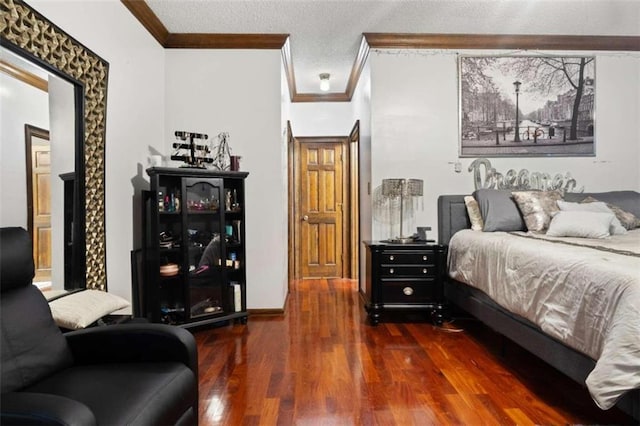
(351,201)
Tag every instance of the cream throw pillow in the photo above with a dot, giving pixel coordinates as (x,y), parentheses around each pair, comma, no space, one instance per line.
(80,309)
(595,206)
(581,224)
(473,210)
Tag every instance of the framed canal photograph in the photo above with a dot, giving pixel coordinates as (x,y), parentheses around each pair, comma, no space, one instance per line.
(527,106)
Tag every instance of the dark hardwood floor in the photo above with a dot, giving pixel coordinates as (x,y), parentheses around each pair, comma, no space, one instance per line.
(322,364)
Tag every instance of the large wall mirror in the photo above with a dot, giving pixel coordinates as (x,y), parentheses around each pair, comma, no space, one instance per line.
(28,34)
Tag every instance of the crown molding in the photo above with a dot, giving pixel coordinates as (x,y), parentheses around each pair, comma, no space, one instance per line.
(24,76)
(143,13)
(225,41)
(501,41)
(150,21)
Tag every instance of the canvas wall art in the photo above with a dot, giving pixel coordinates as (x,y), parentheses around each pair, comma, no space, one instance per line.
(527,106)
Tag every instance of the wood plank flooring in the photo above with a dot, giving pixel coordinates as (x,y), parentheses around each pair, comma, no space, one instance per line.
(322,364)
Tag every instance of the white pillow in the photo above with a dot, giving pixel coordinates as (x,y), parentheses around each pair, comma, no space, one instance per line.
(473,210)
(78,310)
(580,224)
(596,206)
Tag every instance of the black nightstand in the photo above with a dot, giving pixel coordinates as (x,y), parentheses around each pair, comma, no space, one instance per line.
(404,277)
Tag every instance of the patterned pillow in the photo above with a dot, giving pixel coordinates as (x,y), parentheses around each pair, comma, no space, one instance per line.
(628,220)
(537,208)
(473,210)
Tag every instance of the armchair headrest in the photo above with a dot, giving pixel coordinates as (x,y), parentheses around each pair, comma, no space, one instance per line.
(16,258)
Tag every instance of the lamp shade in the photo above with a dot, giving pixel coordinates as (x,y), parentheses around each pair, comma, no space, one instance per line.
(402,191)
(402,187)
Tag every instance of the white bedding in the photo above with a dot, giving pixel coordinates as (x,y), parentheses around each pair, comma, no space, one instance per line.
(586,297)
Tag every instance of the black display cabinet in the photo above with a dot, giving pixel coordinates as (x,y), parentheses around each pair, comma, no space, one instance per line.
(194,247)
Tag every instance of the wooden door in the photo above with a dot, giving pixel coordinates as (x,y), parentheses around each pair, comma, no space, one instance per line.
(38,167)
(321,208)
(41,199)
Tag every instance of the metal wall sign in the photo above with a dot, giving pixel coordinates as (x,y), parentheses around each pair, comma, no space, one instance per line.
(485,176)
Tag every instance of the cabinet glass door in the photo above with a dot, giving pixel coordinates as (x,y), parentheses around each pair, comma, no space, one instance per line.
(169,293)
(204,246)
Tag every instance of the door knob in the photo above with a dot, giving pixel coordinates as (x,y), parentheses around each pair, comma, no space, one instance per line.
(305,218)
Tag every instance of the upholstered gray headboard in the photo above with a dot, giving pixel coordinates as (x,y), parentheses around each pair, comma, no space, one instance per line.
(452,212)
(452,216)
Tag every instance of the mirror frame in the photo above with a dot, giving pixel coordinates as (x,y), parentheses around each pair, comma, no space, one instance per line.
(29,34)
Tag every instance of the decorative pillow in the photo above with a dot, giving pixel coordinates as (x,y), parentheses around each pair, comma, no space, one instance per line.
(78,310)
(473,210)
(499,211)
(596,206)
(537,207)
(627,200)
(580,224)
(628,220)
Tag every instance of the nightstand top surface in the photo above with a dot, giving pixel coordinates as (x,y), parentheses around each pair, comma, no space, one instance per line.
(415,244)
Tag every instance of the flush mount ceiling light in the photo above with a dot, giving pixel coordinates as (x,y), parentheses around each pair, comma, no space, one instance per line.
(325,85)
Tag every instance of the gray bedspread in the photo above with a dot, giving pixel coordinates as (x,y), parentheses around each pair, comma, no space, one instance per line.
(585,293)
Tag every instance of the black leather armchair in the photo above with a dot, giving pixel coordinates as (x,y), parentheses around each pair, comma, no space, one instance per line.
(128,374)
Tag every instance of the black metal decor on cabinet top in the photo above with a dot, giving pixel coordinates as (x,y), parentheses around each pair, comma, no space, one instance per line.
(194,250)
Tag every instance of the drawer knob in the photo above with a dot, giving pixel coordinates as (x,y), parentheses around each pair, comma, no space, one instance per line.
(424,270)
(391,271)
(408,291)
(424,257)
(391,257)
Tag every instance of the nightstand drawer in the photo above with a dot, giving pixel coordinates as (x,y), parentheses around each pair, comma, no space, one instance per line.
(418,291)
(408,257)
(413,271)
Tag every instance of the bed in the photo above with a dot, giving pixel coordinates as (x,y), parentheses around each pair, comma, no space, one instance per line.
(534,318)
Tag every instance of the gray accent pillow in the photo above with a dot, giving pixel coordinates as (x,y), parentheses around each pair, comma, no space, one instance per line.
(499,210)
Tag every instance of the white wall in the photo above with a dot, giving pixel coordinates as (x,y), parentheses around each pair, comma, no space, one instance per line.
(239,91)
(20,104)
(322,118)
(135,114)
(361,101)
(285,119)
(415,127)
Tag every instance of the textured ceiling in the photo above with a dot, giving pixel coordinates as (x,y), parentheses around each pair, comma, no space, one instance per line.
(325,35)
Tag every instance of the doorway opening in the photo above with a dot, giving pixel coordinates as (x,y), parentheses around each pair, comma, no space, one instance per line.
(323,206)
(38,174)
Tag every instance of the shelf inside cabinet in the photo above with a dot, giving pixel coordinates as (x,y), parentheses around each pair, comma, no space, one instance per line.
(203,211)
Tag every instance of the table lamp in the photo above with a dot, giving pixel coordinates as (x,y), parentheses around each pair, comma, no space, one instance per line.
(406,191)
